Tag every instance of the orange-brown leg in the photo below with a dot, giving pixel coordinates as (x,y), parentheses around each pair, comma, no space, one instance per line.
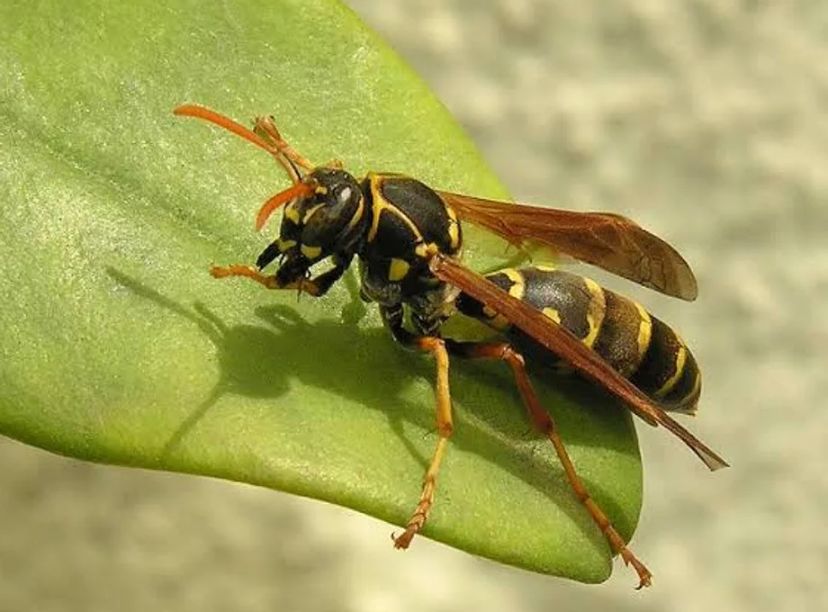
(270,281)
(437,348)
(544,422)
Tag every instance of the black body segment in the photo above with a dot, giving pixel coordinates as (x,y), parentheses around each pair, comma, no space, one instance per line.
(668,371)
(636,344)
(409,223)
(625,334)
(430,217)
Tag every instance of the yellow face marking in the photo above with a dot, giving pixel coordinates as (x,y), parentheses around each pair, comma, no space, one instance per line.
(380,205)
(595,311)
(311,252)
(552,314)
(321,190)
(292,213)
(284,245)
(398,269)
(311,212)
(645,331)
(518,287)
(681,357)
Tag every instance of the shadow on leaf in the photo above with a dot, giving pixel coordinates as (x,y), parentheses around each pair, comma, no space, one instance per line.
(337,357)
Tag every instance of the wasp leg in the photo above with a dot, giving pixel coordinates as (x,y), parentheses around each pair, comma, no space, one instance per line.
(437,347)
(544,422)
(270,281)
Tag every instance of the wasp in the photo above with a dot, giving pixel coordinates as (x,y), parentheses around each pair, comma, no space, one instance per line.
(407,238)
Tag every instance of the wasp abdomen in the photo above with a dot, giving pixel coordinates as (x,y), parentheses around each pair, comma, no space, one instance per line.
(639,346)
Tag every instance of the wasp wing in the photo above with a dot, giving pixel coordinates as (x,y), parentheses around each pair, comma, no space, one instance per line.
(606,240)
(560,341)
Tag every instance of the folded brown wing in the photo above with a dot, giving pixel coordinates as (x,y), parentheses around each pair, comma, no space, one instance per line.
(557,339)
(606,240)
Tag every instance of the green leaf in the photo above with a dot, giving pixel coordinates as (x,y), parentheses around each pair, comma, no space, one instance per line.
(117,346)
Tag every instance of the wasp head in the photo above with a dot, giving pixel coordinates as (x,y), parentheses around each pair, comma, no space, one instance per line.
(321,217)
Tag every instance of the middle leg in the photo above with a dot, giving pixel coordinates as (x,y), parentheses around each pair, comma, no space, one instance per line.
(393,318)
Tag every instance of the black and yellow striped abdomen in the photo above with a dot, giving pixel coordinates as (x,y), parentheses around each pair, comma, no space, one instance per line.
(639,346)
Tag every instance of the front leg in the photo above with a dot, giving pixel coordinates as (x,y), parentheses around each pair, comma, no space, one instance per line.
(393,318)
(304,285)
(317,286)
(324,281)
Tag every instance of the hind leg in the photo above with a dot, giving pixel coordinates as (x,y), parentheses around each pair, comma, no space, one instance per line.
(544,423)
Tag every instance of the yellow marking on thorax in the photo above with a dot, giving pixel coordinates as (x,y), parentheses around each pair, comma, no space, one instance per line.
(595,311)
(452,214)
(398,269)
(518,288)
(681,357)
(381,204)
(454,226)
(292,213)
(454,234)
(311,252)
(426,250)
(552,314)
(358,214)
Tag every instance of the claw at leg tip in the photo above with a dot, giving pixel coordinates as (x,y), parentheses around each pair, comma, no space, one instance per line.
(401,542)
(645,582)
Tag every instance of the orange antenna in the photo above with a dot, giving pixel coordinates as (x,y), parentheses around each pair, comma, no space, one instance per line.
(264,135)
(281,198)
(201,112)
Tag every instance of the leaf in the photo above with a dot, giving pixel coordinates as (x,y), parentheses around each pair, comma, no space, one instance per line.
(116,345)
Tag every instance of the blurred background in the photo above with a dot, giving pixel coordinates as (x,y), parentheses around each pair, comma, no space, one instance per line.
(705,121)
